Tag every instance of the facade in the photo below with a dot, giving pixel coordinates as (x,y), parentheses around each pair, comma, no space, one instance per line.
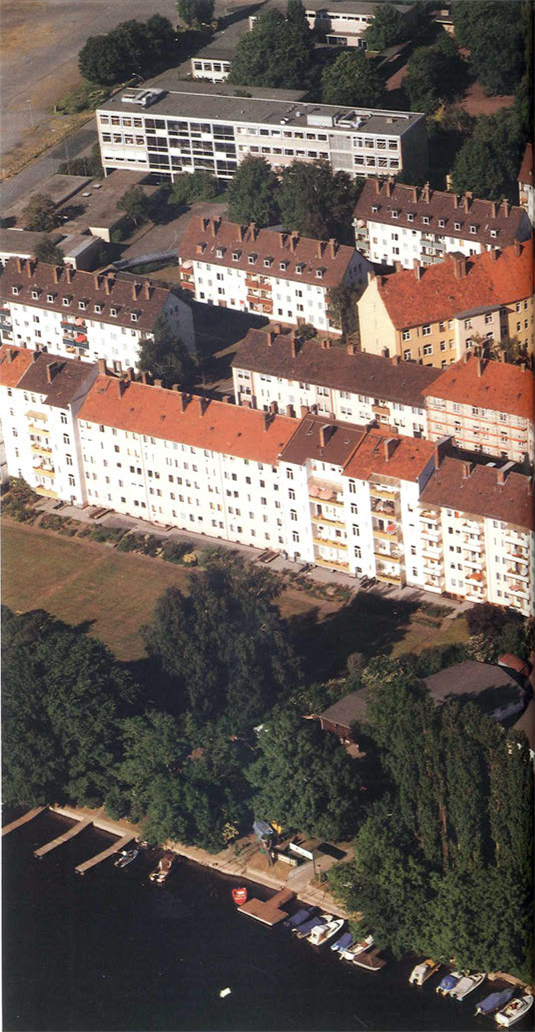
(277,369)
(341,24)
(167,131)
(435,315)
(484,407)
(526,189)
(395,223)
(266,271)
(40,397)
(85,315)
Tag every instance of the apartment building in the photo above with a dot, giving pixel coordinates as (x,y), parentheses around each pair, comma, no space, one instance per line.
(484,406)
(435,315)
(208,467)
(86,315)
(266,271)
(526,189)
(192,126)
(40,396)
(477,536)
(397,223)
(275,368)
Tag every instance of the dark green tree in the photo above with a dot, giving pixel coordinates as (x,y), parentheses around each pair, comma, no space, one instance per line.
(40,213)
(191,187)
(317,201)
(195,13)
(136,204)
(296,16)
(435,75)
(252,193)
(166,357)
(488,162)
(48,251)
(132,47)
(342,301)
(274,54)
(495,34)
(352,79)
(388,27)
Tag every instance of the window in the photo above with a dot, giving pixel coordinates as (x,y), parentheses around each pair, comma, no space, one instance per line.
(293,515)
(295,536)
(407,355)
(426,331)
(428,349)
(406,335)
(290,474)
(457,225)
(63,417)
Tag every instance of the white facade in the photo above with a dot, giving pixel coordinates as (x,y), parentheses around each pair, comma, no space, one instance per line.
(386,244)
(480,429)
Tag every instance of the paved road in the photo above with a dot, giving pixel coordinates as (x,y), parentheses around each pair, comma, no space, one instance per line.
(34,175)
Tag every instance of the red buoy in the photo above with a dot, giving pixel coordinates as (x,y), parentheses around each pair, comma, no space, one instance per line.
(239,896)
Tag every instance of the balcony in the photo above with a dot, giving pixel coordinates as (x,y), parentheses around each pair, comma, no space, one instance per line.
(475,561)
(46,492)
(428,514)
(521,590)
(433,583)
(514,538)
(387,557)
(317,517)
(390,533)
(42,471)
(430,533)
(472,545)
(323,492)
(386,507)
(389,578)
(41,449)
(431,570)
(387,493)
(431,553)
(329,543)
(475,579)
(517,573)
(331,564)
(39,416)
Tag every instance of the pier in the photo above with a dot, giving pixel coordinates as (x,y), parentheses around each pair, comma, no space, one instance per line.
(23,820)
(66,837)
(268,912)
(99,857)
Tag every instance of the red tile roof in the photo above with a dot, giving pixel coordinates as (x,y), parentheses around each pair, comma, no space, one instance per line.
(439,294)
(403,458)
(480,494)
(491,385)
(266,244)
(526,169)
(12,369)
(216,426)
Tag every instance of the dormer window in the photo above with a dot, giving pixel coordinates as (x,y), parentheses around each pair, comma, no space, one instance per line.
(35,294)
(220,252)
(319,273)
(442,223)
(98,309)
(82,305)
(113,311)
(251,258)
(200,247)
(300,268)
(394,213)
(50,298)
(410,217)
(133,316)
(283,266)
(236,256)
(426,220)
(494,233)
(66,301)
(457,225)
(375,207)
(473,229)
(268,262)
(15,291)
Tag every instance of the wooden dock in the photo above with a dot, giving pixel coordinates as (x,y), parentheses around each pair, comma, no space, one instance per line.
(99,857)
(269,911)
(66,837)
(23,820)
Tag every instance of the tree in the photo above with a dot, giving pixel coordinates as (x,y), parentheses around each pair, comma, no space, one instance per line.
(343,307)
(105,60)
(48,251)
(484,618)
(317,201)
(40,213)
(166,357)
(352,79)
(252,193)
(388,27)
(435,75)
(89,165)
(224,645)
(136,204)
(274,54)
(191,187)
(296,15)
(195,13)
(495,34)
(488,162)
(304,779)
(132,47)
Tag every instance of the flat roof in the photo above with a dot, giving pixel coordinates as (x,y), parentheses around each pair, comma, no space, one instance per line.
(189,101)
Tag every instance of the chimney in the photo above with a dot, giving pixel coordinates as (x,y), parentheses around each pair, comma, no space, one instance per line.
(29,268)
(157,383)
(290,411)
(204,223)
(351,349)
(384,352)
(145,378)
(56,273)
(130,374)
(252,230)
(304,410)
(388,187)
(395,360)
(459,267)
(494,254)
(378,186)
(425,193)
(326,433)
(505,206)
(389,447)
(9,356)
(282,238)
(467,469)
(202,405)
(266,419)
(135,288)
(18,262)
(52,368)
(517,246)
(417,268)
(102,367)
(293,242)
(147,290)
(415,195)
(523,366)
(181,398)
(398,266)
(466,201)
(69,273)
(241,234)
(441,447)
(214,226)
(529,485)
(36,354)
(479,367)
(273,408)
(455,200)
(293,346)
(503,473)
(319,248)
(333,247)
(96,280)
(107,285)
(270,337)
(277,329)
(493,209)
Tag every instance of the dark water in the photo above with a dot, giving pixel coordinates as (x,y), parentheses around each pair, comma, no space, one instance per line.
(112,951)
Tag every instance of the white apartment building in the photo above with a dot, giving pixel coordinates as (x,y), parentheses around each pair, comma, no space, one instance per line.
(266,271)
(395,223)
(526,189)
(40,396)
(86,315)
(189,127)
(273,367)
(484,407)
(343,23)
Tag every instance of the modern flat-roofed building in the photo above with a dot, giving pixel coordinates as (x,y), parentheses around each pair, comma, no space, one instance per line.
(274,367)
(397,223)
(266,271)
(342,22)
(86,315)
(189,127)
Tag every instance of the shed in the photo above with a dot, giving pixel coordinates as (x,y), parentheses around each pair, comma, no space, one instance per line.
(339,717)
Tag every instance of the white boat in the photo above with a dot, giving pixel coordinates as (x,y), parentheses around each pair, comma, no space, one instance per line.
(514,1010)
(163,870)
(423,971)
(358,947)
(322,933)
(126,857)
(448,983)
(467,984)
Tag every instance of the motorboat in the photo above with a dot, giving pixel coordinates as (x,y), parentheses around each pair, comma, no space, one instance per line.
(513,1011)
(322,933)
(359,947)
(494,1002)
(126,856)
(466,985)
(299,918)
(163,870)
(423,971)
(370,960)
(343,943)
(448,983)
(303,930)
(239,895)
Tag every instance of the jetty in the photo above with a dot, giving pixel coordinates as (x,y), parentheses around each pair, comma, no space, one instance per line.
(66,837)
(268,912)
(23,820)
(99,857)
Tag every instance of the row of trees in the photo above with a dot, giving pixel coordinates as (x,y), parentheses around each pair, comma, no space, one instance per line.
(136,48)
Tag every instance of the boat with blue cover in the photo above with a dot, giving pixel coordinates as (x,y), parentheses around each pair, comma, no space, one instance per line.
(304,929)
(302,915)
(494,1002)
(448,983)
(343,943)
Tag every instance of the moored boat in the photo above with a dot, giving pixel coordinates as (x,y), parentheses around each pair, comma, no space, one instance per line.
(494,1002)
(423,971)
(299,918)
(126,856)
(239,895)
(163,870)
(343,943)
(370,960)
(359,947)
(303,930)
(448,983)
(322,933)
(467,984)
(514,1010)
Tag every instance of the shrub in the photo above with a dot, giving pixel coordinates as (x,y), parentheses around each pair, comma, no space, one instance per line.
(173,551)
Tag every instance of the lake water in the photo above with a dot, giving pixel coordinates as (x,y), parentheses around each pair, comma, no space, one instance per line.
(111,950)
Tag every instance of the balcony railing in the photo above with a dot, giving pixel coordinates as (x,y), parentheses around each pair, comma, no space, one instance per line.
(332,564)
(329,542)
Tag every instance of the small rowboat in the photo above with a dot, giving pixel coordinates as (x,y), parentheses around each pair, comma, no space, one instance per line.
(239,895)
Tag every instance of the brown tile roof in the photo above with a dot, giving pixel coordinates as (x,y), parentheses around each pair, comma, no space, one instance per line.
(13,364)
(325,440)
(402,458)
(265,244)
(334,367)
(480,494)
(437,204)
(213,425)
(491,385)
(88,287)
(69,378)
(439,293)
(526,169)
